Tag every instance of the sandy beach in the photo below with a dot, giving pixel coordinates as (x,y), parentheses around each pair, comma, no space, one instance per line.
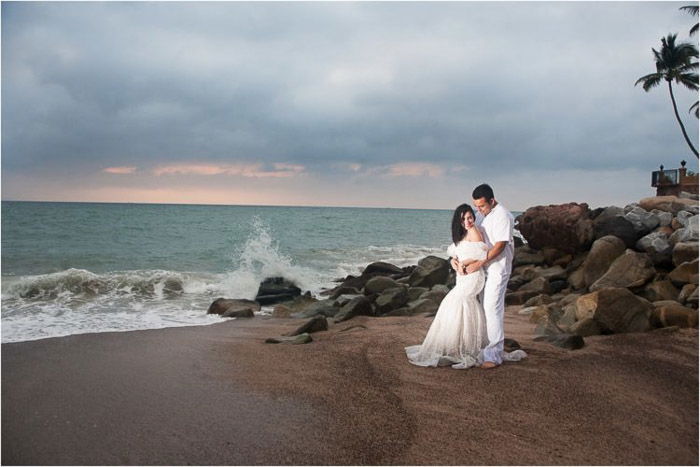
(219,395)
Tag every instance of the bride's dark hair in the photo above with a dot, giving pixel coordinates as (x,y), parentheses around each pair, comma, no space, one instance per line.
(458,230)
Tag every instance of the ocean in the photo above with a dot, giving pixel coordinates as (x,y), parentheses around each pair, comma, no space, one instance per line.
(72,268)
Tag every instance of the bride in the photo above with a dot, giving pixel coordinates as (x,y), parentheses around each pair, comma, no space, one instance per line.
(458,332)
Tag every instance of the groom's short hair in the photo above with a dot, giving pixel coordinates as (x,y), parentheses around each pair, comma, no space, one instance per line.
(483,191)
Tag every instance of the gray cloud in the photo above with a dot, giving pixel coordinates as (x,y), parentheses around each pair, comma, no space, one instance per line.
(491,86)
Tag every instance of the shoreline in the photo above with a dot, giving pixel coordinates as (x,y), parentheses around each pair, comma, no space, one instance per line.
(216,394)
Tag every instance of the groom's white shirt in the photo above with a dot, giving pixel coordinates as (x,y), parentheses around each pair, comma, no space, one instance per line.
(498,227)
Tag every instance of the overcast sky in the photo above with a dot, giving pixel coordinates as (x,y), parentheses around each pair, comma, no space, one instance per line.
(337,104)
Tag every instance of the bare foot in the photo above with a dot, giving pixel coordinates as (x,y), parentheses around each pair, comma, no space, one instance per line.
(489,365)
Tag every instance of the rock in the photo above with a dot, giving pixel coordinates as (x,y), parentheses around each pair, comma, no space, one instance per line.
(172,287)
(511,345)
(660,290)
(527,256)
(551,255)
(670,204)
(564,340)
(355,307)
(343,290)
(529,310)
(541,299)
(430,271)
(422,306)
(686,292)
(674,315)
(343,299)
(299,304)
(391,299)
(292,340)
(222,305)
(380,267)
(566,227)
(617,226)
(232,313)
(568,318)
(520,297)
(664,217)
(538,313)
(692,300)
(553,273)
(315,324)
(538,285)
(686,195)
(320,308)
(685,273)
(378,284)
(685,234)
(586,327)
(437,293)
(684,252)
(603,252)
(657,246)
(577,279)
(643,221)
(557,286)
(275,290)
(631,269)
(684,218)
(615,309)
(414,293)
(569,299)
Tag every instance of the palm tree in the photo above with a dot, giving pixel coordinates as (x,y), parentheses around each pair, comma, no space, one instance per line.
(694,106)
(693,10)
(674,63)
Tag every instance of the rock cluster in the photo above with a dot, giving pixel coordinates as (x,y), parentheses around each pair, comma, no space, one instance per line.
(638,272)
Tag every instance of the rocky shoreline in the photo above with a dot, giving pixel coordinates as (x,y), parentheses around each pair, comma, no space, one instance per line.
(579,273)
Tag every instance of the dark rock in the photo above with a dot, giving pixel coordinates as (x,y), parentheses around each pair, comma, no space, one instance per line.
(564,340)
(315,324)
(557,286)
(222,305)
(566,227)
(586,327)
(538,285)
(414,293)
(616,310)
(631,269)
(343,290)
(353,327)
(542,299)
(660,290)
(378,284)
(604,251)
(526,256)
(684,252)
(657,246)
(437,293)
(685,294)
(355,307)
(297,305)
(617,226)
(325,308)
(380,267)
(278,286)
(232,313)
(674,315)
(511,345)
(430,271)
(423,306)
(391,299)
(686,273)
(520,297)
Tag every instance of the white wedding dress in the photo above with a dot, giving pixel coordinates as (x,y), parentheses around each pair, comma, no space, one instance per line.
(458,332)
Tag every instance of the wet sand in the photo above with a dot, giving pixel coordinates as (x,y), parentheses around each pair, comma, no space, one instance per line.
(219,395)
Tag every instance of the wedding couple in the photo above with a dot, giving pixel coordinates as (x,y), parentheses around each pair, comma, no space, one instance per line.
(467,331)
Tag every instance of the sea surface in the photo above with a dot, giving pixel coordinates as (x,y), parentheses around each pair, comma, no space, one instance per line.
(72,268)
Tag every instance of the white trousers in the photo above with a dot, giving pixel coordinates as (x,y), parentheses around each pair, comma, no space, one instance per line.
(494,300)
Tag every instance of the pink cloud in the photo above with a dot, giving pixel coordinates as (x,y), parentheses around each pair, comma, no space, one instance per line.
(279,170)
(415,169)
(119,170)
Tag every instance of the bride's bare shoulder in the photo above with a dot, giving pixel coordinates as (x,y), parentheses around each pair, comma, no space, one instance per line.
(475,235)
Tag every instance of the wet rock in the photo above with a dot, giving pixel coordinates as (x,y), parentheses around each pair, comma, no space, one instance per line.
(315,324)
(222,305)
(172,287)
(343,290)
(378,284)
(320,308)
(631,269)
(291,340)
(414,293)
(616,310)
(247,313)
(566,227)
(684,252)
(299,304)
(355,307)
(604,251)
(343,299)
(276,290)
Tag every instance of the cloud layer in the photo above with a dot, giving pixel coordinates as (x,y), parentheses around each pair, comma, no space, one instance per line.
(308,100)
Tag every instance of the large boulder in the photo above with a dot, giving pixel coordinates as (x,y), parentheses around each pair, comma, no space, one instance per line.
(685,273)
(275,290)
(617,226)
(665,218)
(379,284)
(631,269)
(603,252)
(685,234)
(684,252)
(430,271)
(423,306)
(657,246)
(660,290)
(299,304)
(391,299)
(585,327)
(566,227)
(539,285)
(436,294)
(380,267)
(325,308)
(686,292)
(616,310)
(220,306)
(315,324)
(527,256)
(642,220)
(355,307)
(672,204)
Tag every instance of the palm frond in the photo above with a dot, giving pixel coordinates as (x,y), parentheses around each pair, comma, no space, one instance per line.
(691,9)
(694,30)
(650,81)
(689,80)
(695,106)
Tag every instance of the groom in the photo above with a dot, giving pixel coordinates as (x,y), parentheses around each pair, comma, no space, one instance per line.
(497,225)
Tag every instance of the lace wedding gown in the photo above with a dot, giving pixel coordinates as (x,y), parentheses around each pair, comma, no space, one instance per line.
(458,332)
